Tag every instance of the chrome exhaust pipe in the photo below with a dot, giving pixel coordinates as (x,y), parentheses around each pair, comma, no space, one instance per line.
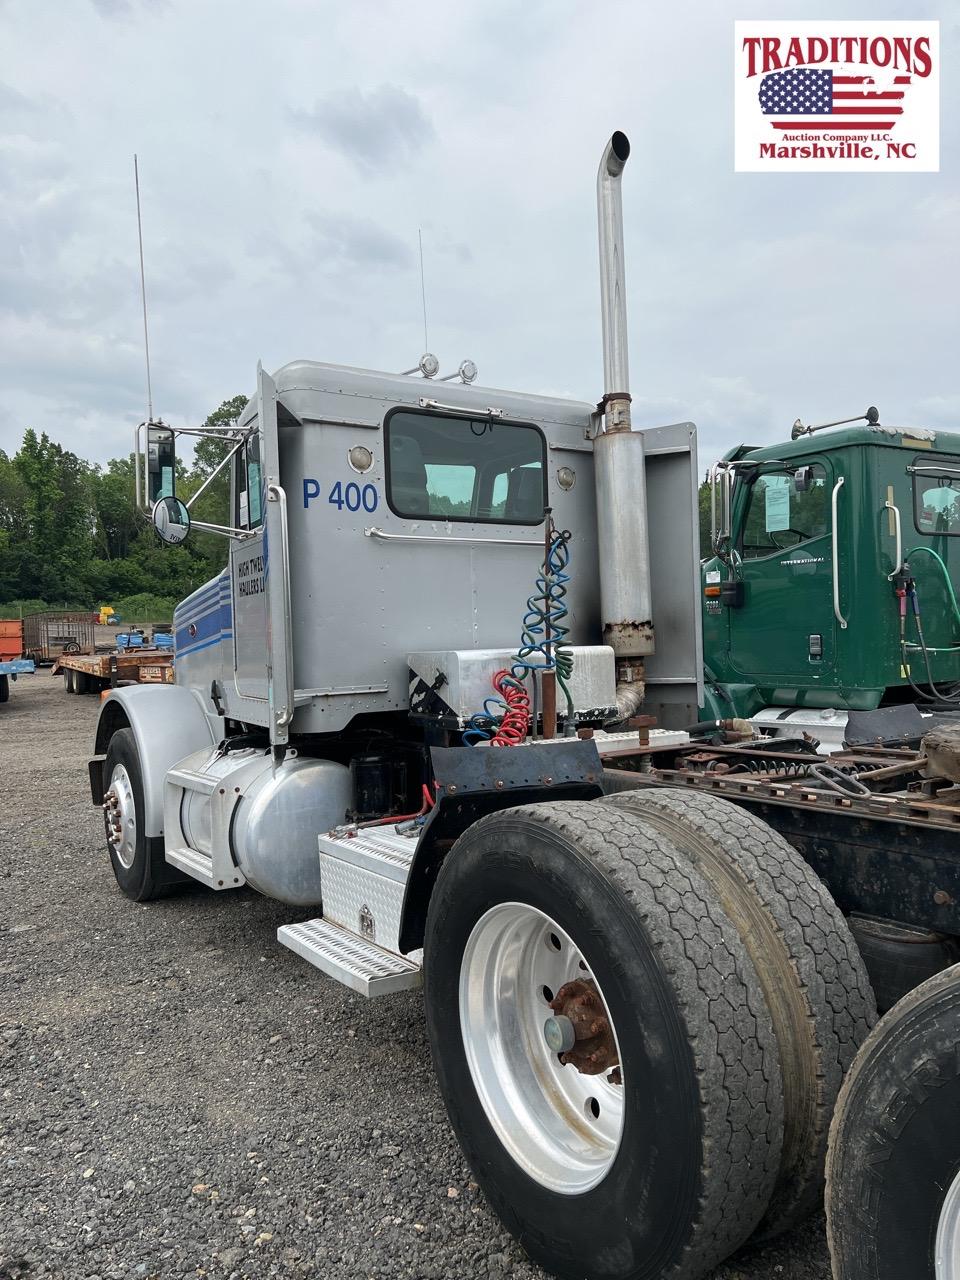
(613,302)
(618,457)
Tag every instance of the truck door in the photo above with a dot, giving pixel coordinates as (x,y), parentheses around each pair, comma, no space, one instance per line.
(248,575)
(785,628)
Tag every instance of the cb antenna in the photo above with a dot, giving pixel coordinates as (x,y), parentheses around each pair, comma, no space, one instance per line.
(423,292)
(143,292)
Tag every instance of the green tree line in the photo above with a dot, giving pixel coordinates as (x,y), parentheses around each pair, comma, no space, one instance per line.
(71,537)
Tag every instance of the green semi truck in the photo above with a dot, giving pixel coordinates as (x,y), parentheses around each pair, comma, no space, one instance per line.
(832,587)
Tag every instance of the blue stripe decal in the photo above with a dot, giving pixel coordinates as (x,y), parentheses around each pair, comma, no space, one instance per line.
(201,594)
(204,595)
(209,626)
(195,648)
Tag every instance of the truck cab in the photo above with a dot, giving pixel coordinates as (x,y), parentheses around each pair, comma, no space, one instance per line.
(812,540)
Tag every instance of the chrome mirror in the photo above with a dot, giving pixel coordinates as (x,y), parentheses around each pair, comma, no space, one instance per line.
(171,519)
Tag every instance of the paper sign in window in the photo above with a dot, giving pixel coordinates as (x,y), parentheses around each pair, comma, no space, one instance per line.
(778,504)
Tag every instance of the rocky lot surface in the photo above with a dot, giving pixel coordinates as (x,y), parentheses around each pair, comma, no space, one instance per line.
(182,1097)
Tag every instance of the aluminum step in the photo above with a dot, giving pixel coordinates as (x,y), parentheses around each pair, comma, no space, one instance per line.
(200,866)
(193,780)
(193,862)
(355,962)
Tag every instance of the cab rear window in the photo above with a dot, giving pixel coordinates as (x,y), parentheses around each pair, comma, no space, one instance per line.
(451,468)
(936,496)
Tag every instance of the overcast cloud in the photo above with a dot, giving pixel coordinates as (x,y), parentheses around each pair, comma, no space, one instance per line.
(289,151)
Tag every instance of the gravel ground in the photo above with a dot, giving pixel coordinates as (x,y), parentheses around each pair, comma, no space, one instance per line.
(182,1097)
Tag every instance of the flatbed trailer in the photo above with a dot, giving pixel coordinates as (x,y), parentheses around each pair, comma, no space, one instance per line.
(9,670)
(93,672)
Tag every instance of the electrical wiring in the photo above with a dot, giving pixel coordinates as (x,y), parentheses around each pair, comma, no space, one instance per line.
(946,576)
(505,720)
(516,718)
(429,801)
(907,590)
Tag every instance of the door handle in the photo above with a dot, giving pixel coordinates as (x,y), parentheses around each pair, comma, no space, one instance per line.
(836,557)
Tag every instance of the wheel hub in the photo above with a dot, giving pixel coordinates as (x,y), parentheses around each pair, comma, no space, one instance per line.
(947,1246)
(541,1047)
(582,1014)
(120,816)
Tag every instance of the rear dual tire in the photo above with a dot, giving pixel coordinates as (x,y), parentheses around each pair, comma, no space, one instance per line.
(893,1171)
(681,1175)
(79,681)
(813,977)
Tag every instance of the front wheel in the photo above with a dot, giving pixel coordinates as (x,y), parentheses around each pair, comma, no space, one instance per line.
(138,862)
(602,1045)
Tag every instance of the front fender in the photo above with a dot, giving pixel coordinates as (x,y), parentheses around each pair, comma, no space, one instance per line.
(168,723)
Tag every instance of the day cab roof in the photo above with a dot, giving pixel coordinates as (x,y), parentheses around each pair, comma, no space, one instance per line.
(310,390)
(830,440)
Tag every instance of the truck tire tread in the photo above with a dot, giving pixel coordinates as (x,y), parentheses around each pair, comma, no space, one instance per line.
(895,1139)
(726,1024)
(809,965)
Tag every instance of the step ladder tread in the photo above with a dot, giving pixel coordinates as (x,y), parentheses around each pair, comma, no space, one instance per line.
(193,862)
(350,959)
(190,780)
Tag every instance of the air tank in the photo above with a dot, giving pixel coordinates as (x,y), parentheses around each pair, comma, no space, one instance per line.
(274,828)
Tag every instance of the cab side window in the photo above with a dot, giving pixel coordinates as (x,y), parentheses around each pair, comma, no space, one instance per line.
(780,515)
(249,511)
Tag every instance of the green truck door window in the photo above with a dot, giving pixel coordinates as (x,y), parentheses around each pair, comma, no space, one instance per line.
(784,545)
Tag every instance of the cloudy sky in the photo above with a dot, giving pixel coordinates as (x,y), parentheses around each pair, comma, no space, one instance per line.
(290,150)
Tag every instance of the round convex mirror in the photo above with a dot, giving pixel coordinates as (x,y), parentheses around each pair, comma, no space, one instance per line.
(171,519)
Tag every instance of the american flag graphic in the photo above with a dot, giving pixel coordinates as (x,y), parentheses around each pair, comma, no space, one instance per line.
(829,101)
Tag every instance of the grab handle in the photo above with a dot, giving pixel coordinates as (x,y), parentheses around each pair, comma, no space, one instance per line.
(898,559)
(836,557)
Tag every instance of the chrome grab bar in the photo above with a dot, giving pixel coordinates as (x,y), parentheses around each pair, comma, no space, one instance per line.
(898,559)
(836,558)
(276,493)
(374,532)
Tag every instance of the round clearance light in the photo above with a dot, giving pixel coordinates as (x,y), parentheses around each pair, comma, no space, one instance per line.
(360,458)
(429,365)
(566,478)
(467,371)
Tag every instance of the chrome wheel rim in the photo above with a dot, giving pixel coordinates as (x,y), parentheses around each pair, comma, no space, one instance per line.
(120,817)
(561,1126)
(947,1247)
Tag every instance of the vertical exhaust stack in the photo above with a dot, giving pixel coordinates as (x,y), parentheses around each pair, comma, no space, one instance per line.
(618,458)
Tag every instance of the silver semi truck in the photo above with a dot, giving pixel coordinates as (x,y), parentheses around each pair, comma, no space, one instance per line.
(443,609)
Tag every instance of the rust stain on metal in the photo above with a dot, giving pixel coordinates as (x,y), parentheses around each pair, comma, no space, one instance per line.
(595,1050)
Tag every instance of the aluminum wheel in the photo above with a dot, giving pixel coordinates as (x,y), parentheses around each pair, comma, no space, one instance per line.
(120,816)
(947,1248)
(562,1126)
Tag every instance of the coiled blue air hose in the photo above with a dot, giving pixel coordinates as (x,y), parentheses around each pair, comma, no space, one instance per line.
(542,638)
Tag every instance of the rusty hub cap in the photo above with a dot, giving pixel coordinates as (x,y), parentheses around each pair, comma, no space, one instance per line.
(594,1048)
